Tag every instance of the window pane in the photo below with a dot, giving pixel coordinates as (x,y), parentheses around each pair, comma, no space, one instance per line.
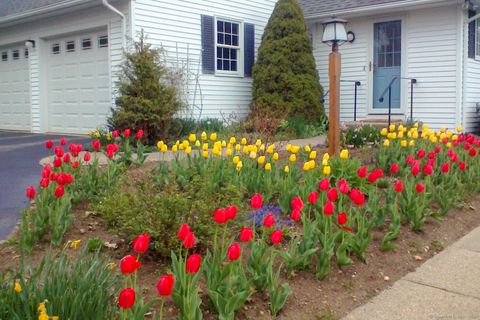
(389,60)
(397,44)
(233,54)
(103,41)
(26,53)
(233,66)
(70,46)
(234,28)
(381,60)
(226,53)
(219,64)
(234,40)
(15,54)
(397,59)
(219,26)
(219,52)
(226,65)
(228,27)
(220,38)
(86,44)
(4,56)
(228,39)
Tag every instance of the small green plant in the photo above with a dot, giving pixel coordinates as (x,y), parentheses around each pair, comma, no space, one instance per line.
(94,244)
(359,136)
(437,245)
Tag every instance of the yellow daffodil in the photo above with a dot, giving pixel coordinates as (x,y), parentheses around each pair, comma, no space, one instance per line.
(17,287)
(307,148)
(286,169)
(292,158)
(384,132)
(112,266)
(213,137)
(391,127)
(268,166)
(236,159)
(229,152)
(411,143)
(327,170)
(459,129)
(244,141)
(164,148)
(232,140)
(261,160)
(192,137)
(403,143)
(271,149)
(258,142)
(252,155)
(344,154)
(239,166)
(174,148)
(275,156)
(203,136)
(205,154)
(74,244)
(386,143)
(313,155)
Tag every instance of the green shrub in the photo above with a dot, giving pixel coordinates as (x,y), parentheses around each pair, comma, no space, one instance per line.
(76,289)
(359,136)
(301,128)
(285,79)
(147,99)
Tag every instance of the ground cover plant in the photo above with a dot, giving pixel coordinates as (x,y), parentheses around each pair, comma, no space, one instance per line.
(239,218)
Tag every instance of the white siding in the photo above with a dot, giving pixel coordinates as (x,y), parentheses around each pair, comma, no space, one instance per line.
(471,118)
(176,26)
(67,23)
(430,49)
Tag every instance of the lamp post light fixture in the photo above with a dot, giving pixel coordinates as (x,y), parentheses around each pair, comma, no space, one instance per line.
(334,34)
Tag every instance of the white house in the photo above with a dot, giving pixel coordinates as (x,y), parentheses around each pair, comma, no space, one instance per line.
(431,41)
(59,59)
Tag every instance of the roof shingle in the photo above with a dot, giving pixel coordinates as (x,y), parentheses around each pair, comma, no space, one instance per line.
(313,8)
(12,7)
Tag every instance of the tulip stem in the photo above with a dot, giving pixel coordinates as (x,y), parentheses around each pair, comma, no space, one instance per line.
(161,309)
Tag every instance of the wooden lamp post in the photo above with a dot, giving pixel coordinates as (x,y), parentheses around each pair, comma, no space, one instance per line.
(334,34)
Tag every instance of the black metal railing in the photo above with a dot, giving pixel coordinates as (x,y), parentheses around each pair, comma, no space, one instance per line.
(357,84)
(389,90)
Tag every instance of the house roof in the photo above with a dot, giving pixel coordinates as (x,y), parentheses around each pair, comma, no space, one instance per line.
(13,7)
(315,8)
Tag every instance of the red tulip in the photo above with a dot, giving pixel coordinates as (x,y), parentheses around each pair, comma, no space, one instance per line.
(126,300)
(328,208)
(332,194)
(269,221)
(421,153)
(394,168)
(246,234)
(61,179)
(450,152)
(454,157)
(256,201)
(59,191)
(362,172)
(53,176)
(295,215)
(431,162)
(127,132)
(66,158)
(58,151)
(342,218)
(86,157)
(49,144)
(409,160)
(68,178)
(220,216)
(165,285)
(75,164)
(140,244)
(438,149)
(357,197)
(233,252)
(139,134)
(427,169)
(431,155)
(129,264)
(445,167)
(96,145)
(398,186)
(44,183)
(420,188)
(30,192)
(462,165)
(324,185)
(189,240)
(183,231)
(416,169)
(313,197)
(456,143)
(57,162)
(445,140)
(231,212)
(375,175)
(276,236)
(63,141)
(297,203)
(472,152)
(115,133)
(193,263)
(343,186)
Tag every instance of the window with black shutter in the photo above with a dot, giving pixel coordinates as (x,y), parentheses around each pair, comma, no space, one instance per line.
(473,36)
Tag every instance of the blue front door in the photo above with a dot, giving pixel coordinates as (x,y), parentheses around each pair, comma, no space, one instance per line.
(387,62)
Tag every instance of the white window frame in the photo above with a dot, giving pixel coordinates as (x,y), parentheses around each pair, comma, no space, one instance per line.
(241,49)
(477,40)
(101,37)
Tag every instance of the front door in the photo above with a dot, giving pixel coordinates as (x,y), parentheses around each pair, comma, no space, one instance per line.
(387,63)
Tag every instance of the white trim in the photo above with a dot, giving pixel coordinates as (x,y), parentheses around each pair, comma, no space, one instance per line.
(462,49)
(240,61)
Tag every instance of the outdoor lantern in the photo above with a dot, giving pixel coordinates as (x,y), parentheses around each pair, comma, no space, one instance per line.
(334,31)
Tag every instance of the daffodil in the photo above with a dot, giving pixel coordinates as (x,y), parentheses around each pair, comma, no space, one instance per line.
(344,154)
(236,159)
(213,137)
(261,160)
(292,158)
(41,307)
(313,155)
(327,170)
(275,156)
(203,136)
(286,169)
(192,137)
(17,287)
(74,244)
(268,166)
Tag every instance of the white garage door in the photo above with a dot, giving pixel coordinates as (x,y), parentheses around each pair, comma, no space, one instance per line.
(14,89)
(78,85)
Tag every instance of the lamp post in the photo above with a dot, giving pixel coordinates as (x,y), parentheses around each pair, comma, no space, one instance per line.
(334,34)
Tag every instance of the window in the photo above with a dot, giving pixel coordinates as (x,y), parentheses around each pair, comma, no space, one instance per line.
(86,44)
(228,47)
(103,41)
(4,55)
(477,39)
(26,53)
(70,46)
(15,54)
(56,48)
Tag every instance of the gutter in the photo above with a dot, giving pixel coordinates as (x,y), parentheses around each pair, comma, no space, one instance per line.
(383,6)
(124,22)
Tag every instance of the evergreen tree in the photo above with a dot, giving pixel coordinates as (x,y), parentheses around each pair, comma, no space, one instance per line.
(285,79)
(146,99)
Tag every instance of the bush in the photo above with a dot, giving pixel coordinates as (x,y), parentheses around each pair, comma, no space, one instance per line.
(285,80)
(301,128)
(147,99)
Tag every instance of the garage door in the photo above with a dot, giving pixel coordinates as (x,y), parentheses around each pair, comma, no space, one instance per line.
(78,83)
(14,89)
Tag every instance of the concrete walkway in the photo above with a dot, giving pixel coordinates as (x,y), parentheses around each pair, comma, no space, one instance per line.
(445,287)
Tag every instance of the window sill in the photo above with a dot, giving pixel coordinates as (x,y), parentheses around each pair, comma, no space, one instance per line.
(229,75)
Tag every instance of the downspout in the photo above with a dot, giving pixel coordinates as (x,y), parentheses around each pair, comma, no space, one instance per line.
(124,22)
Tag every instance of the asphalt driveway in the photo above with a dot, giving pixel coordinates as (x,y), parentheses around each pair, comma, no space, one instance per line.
(19,168)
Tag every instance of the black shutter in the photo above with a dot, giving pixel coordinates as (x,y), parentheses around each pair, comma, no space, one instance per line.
(208,45)
(249,36)
(471,35)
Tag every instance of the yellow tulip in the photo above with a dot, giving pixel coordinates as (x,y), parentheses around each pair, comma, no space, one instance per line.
(216,151)
(164,148)
(411,143)
(415,135)
(313,155)
(295,149)
(344,154)
(238,147)
(109,137)
(454,137)
(384,132)
(268,166)
(181,146)
(244,141)
(185,144)
(252,155)
(43,316)
(286,169)
(391,127)
(400,135)
(403,143)
(97,135)
(307,148)
(288,147)
(449,145)
(205,146)
(415,125)
(245,150)
(292,158)
(205,154)
(203,136)
(174,148)
(159,145)
(213,136)
(192,137)
(400,128)
(325,162)
(459,129)
(271,149)
(262,148)
(239,166)
(327,170)
(261,160)
(275,156)
(236,159)
(258,142)
(41,307)
(229,152)
(326,156)
(232,140)
(449,134)
(386,143)
(306,166)
(442,130)
(197,143)
(224,143)
(17,287)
